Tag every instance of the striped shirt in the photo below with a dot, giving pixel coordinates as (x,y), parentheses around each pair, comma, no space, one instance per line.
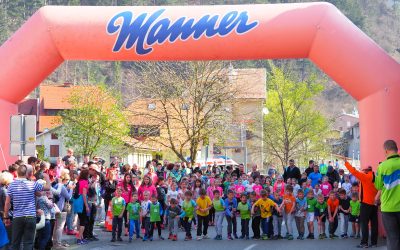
(22,195)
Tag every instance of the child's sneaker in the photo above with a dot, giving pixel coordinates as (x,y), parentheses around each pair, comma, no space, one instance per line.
(145,238)
(187,238)
(311,236)
(241,237)
(205,237)
(264,237)
(119,239)
(321,237)
(235,235)
(199,238)
(247,238)
(170,236)
(112,240)
(130,239)
(174,238)
(230,237)
(151,239)
(161,238)
(324,235)
(290,237)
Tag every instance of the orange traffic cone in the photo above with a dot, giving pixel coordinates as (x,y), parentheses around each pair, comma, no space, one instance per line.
(108,222)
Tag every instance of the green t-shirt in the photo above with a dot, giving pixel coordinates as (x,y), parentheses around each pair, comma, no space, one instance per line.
(227,184)
(323,169)
(321,207)
(188,208)
(311,204)
(118,205)
(388,180)
(355,208)
(155,212)
(244,209)
(133,210)
(218,205)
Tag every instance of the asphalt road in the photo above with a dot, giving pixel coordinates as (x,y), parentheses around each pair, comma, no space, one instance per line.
(210,244)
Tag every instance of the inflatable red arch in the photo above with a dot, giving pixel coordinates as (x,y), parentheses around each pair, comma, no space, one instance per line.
(318,31)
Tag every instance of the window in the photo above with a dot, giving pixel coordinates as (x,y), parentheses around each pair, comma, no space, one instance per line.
(54,136)
(217,150)
(52,112)
(185,106)
(54,150)
(249,135)
(151,106)
(137,131)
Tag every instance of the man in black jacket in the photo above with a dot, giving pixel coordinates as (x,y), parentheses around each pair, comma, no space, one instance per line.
(291,172)
(333,175)
(310,168)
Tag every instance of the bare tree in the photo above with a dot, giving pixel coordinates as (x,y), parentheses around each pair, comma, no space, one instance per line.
(180,106)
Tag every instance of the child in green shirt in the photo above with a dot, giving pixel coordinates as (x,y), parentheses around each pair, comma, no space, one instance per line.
(355,215)
(321,211)
(311,202)
(188,207)
(156,212)
(219,207)
(244,208)
(134,209)
(117,208)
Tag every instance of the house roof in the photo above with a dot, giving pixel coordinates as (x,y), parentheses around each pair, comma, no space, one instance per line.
(48,122)
(251,83)
(56,96)
(28,107)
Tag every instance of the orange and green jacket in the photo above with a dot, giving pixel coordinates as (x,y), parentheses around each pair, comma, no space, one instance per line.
(367,186)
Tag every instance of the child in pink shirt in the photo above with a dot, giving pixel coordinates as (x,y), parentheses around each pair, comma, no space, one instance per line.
(326,187)
(279,186)
(239,189)
(257,188)
(214,186)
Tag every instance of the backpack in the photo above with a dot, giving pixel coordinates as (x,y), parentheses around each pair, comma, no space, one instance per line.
(160,194)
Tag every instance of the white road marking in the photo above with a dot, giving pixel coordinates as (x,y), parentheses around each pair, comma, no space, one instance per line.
(250,247)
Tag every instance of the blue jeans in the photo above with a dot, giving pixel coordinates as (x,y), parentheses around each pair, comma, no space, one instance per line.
(44,235)
(134,228)
(70,219)
(265,225)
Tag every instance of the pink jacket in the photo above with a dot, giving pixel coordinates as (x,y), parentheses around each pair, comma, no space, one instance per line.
(239,189)
(126,194)
(326,187)
(210,191)
(282,187)
(144,188)
(257,189)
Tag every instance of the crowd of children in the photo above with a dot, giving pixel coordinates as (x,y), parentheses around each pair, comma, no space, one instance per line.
(263,204)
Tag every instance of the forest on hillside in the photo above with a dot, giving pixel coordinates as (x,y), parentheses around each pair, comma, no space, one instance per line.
(380,19)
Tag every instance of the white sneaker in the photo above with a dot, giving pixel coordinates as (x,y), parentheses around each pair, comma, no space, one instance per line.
(199,238)
(205,237)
